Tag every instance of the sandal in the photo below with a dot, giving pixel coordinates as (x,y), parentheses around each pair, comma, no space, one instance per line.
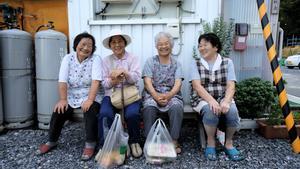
(234,154)
(45,148)
(177,148)
(136,150)
(87,154)
(210,153)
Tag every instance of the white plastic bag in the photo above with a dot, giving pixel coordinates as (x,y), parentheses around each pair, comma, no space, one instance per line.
(113,152)
(159,147)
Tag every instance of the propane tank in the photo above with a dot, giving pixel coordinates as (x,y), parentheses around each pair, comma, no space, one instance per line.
(1,108)
(17,77)
(50,48)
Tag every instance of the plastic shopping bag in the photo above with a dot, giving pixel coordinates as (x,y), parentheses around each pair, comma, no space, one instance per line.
(159,147)
(115,146)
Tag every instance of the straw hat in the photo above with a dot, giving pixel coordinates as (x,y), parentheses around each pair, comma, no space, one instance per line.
(115,32)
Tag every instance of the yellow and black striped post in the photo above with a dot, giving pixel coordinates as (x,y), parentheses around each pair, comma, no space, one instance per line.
(277,76)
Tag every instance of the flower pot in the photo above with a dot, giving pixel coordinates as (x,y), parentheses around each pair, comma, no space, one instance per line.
(273,131)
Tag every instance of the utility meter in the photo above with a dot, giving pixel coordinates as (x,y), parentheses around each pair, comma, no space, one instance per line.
(241,33)
(173,29)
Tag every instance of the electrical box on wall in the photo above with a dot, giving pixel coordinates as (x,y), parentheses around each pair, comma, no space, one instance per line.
(241,33)
(173,29)
(241,29)
(117,1)
(166,1)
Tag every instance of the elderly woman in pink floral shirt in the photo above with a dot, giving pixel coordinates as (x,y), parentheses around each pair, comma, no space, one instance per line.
(117,66)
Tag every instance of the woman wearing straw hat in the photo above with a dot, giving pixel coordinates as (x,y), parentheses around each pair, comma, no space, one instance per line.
(120,67)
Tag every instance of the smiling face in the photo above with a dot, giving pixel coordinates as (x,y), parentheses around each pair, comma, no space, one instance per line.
(207,50)
(84,48)
(163,46)
(117,45)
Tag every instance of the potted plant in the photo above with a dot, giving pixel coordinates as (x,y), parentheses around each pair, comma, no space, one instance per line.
(274,126)
(253,98)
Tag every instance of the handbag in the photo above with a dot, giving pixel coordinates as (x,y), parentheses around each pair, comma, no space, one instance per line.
(130,93)
(121,97)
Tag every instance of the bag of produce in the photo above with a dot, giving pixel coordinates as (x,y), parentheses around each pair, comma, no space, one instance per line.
(159,147)
(114,150)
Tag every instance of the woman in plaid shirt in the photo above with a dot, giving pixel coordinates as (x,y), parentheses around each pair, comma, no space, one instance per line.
(213,80)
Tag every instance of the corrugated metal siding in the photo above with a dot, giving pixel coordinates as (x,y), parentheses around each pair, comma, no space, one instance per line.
(253,61)
(247,64)
(241,11)
(143,34)
(143,45)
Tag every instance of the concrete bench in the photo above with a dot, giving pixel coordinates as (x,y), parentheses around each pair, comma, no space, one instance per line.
(78,115)
(189,113)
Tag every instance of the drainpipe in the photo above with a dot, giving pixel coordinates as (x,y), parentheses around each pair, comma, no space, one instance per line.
(178,16)
(280,44)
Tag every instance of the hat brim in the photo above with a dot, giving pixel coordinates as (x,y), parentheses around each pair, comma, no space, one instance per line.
(105,41)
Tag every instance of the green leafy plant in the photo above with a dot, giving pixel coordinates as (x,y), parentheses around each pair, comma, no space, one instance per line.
(195,56)
(296,115)
(224,31)
(275,116)
(253,97)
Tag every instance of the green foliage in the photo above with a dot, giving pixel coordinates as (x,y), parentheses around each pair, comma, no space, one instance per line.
(281,62)
(257,98)
(275,116)
(289,15)
(195,56)
(224,31)
(296,115)
(253,97)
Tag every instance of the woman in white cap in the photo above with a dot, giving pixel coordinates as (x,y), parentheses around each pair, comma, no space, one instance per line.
(120,67)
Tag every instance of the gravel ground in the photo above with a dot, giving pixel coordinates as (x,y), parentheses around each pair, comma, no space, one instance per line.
(17,150)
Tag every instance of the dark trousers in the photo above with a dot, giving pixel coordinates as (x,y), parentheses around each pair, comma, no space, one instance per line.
(90,120)
(131,115)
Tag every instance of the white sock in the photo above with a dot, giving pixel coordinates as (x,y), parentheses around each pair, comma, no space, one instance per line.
(90,144)
(51,144)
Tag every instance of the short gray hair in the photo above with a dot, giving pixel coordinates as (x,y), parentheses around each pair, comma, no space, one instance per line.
(164,34)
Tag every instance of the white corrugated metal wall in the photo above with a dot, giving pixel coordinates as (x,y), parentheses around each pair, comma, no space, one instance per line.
(142,31)
(252,62)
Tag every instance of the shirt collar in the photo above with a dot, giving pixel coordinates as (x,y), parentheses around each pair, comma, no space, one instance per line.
(123,58)
(76,59)
(216,65)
